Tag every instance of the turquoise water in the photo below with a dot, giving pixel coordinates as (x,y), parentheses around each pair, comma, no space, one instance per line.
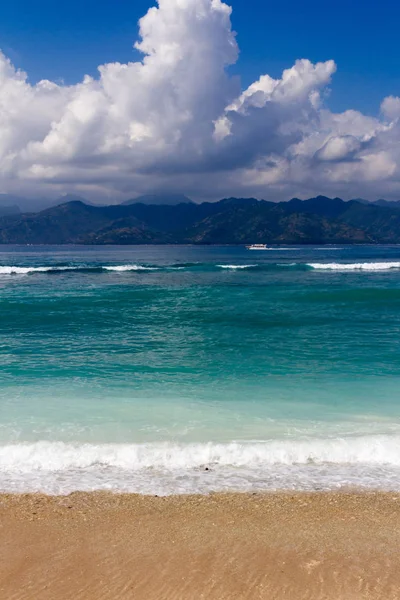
(182,369)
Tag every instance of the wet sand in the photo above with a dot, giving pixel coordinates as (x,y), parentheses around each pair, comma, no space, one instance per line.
(99,546)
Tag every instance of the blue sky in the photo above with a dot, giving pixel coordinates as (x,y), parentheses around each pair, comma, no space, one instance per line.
(65,40)
(303,101)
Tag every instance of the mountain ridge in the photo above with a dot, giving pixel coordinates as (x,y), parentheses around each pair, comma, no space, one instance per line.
(232,220)
(159,199)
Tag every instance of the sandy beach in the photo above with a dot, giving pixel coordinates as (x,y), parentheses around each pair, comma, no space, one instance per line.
(223,546)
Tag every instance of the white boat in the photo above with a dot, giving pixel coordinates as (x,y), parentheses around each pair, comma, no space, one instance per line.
(258,247)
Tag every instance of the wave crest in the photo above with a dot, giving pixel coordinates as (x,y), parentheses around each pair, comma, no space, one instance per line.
(371,462)
(237,266)
(366,266)
(122,268)
(268,266)
(379,449)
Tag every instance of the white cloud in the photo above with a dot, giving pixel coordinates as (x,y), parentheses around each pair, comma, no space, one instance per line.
(176,121)
(339,148)
(390,108)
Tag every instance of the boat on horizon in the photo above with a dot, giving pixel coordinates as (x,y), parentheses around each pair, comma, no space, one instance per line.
(258,247)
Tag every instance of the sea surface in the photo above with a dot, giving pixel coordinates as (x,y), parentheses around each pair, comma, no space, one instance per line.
(179,369)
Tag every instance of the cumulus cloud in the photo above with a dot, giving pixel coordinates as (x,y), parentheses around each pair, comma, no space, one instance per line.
(339,148)
(176,121)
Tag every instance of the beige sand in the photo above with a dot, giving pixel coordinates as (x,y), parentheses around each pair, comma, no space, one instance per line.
(271,546)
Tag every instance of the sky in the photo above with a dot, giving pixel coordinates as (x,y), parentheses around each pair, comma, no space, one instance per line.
(200,97)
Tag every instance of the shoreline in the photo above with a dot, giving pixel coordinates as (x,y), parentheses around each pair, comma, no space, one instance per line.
(340,545)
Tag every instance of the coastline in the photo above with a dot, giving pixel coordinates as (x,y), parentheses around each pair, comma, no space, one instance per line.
(280,545)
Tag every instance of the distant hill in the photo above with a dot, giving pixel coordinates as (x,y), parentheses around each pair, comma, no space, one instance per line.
(68,198)
(388,203)
(9,204)
(381,202)
(32,205)
(318,220)
(294,222)
(160,199)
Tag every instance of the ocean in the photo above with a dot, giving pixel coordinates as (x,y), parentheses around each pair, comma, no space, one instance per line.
(183,369)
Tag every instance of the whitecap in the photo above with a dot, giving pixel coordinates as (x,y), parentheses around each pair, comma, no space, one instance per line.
(370,461)
(237,266)
(122,268)
(365,266)
(12,270)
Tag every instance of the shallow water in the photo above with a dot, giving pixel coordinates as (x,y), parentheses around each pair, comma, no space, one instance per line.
(136,368)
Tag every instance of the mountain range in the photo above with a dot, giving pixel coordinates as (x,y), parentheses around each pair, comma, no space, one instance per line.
(11,204)
(319,220)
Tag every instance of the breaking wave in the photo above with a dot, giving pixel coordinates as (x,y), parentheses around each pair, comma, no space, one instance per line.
(378,449)
(130,268)
(14,270)
(57,467)
(6,270)
(143,268)
(366,266)
(237,266)
(51,269)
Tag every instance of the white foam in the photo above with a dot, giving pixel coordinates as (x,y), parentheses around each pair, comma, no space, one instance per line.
(236,266)
(378,449)
(21,270)
(57,467)
(130,268)
(25,270)
(366,266)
